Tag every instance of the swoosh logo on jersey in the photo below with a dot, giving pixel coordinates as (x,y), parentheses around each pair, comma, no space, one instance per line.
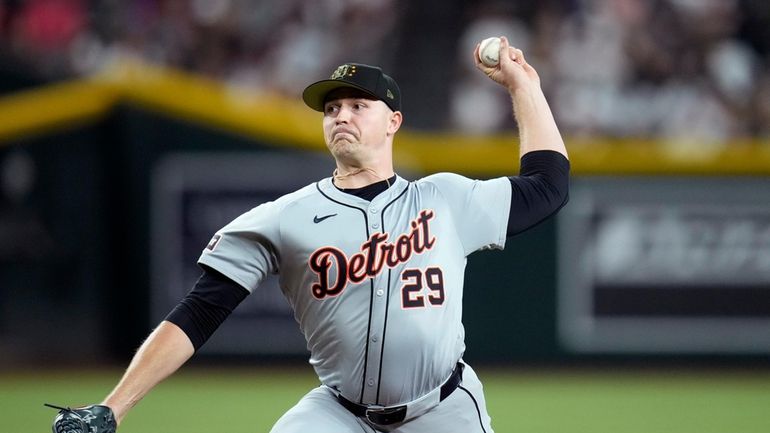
(318,220)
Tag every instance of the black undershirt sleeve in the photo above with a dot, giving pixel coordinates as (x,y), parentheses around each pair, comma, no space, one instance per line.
(539,191)
(206,306)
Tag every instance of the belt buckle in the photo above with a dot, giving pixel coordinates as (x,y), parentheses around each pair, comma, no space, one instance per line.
(386,416)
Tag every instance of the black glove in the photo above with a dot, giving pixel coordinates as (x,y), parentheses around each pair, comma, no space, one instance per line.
(89,419)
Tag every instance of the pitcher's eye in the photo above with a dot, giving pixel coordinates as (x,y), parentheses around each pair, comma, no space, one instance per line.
(331,109)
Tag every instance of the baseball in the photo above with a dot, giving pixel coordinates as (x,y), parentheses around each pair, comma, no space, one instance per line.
(489,52)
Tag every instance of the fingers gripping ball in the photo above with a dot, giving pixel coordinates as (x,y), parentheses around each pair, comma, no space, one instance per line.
(89,419)
(489,52)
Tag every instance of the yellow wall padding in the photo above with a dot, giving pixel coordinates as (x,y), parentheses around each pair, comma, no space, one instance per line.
(287,122)
(61,105)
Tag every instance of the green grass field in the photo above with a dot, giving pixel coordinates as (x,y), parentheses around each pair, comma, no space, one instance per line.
(244,400)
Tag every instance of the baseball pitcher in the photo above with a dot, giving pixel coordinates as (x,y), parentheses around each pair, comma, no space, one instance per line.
(371,263)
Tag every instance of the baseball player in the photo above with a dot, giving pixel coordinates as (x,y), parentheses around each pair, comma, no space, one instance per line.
(371,263)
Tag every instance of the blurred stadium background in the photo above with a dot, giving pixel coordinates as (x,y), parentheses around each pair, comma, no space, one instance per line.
(131,130)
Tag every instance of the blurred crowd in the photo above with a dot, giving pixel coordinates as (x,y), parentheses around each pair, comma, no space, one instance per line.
(270,44)
(698,69)
(619,68)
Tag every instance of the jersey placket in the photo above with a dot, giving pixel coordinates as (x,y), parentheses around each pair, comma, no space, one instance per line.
(379,306)
(379,285)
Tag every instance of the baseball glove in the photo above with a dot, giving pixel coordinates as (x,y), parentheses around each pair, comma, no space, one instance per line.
(89,419)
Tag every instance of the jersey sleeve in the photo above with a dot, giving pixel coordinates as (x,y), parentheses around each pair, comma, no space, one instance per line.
(245,250)
(479,208)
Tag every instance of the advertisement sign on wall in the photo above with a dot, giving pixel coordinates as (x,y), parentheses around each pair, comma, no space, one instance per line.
(196,194)
(665,265)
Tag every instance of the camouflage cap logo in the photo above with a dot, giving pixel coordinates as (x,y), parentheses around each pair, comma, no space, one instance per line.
(343,71)
(389,94)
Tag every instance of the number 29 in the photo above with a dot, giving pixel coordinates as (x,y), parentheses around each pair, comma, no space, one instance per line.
(412,293)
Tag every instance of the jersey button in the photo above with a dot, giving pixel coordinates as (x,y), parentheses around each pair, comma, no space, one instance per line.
(371,382)
(373,210)
(375,225)
(374,339)
(380,292)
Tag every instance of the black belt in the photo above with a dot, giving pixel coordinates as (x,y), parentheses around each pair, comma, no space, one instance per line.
(392,415)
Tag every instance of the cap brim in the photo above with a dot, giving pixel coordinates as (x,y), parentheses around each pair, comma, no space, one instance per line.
(315,94)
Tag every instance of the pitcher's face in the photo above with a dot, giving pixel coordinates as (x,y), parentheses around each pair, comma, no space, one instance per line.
(356,126)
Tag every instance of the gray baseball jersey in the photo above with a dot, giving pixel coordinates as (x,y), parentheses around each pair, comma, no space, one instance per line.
(376,287)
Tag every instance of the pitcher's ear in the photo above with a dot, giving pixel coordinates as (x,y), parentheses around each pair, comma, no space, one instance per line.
(395,122)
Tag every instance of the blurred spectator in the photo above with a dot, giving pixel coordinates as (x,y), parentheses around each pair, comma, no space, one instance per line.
(42,30)
(48,26)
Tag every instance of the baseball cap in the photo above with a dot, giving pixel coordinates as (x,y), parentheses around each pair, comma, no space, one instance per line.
(369,79)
